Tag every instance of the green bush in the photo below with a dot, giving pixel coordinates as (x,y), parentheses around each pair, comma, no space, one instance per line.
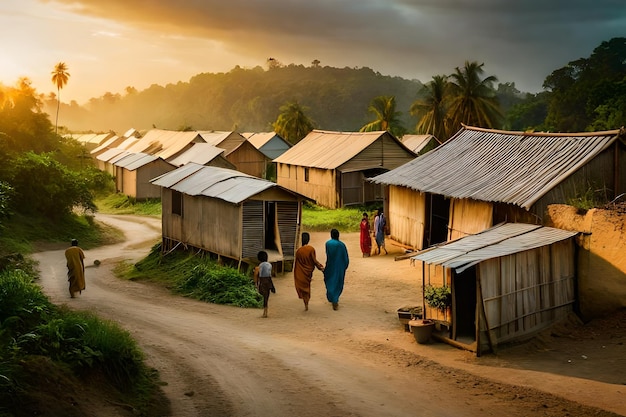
(22,304)
(85,342)
(221,285)
(43,186)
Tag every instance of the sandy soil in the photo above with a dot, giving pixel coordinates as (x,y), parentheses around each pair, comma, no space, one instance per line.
(357,361)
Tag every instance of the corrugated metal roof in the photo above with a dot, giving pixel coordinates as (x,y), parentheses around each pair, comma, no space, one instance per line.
(165,143)
(328,150)
(133,161)
(170,178)
(501,240)
(109,154)
(225,184)
(417,142)
(199,153)
(489,165)
(107,144)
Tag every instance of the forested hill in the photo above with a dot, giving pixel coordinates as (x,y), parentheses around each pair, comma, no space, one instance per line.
(245,100)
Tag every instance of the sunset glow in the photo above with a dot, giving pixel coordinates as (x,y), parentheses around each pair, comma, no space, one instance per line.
(111,44)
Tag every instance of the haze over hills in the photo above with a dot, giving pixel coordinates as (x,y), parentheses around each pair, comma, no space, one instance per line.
(244,100)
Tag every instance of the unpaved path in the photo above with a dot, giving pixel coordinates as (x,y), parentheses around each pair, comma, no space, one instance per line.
(357,361)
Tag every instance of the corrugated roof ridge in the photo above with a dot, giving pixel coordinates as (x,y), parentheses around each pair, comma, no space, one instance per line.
(540,134)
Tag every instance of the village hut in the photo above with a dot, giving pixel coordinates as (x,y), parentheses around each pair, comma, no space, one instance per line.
(332,167)
(91,140)
(203,154)
(482,177)
(505,284)
(272,145)
(165,143)
(133,172)
(239,151)
(117,142)
(104,161)
(229,214)
(420,144)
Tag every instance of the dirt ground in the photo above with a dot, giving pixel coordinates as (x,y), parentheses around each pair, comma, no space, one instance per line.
(357,361)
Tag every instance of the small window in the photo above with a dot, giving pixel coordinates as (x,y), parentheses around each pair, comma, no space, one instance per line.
(306,174)
(177,203)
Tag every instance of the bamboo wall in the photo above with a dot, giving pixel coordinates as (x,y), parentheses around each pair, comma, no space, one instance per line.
(526,292)
(406,215)
(468,217)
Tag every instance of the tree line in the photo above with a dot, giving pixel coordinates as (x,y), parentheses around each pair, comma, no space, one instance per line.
(586,94)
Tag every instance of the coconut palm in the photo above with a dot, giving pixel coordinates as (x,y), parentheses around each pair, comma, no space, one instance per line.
(59,78)
(292,123)
(472,99)
(387,118)
(431,109)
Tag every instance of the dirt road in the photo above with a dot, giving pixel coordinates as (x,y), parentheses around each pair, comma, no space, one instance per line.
(357,361)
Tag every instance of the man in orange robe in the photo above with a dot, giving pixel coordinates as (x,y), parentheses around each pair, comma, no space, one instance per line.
(303,268)
(75,268)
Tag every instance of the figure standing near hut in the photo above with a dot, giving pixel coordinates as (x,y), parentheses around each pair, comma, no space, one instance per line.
(379,231)
(75,257)
(337,262)
(304,265)
(366,238)
(263,279)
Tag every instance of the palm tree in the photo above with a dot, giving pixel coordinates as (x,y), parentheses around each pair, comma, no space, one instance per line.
(387,118)
(472,99)
(59,78)
(431,109)
(292,123)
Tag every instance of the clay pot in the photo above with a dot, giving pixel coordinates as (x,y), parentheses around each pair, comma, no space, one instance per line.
(422,330)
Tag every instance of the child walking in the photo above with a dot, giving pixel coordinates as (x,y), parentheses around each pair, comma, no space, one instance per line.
(263,279)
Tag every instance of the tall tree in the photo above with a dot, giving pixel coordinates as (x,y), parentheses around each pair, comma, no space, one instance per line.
(292,123)
(59,78)
(387,117)
(431,108)
(472,99)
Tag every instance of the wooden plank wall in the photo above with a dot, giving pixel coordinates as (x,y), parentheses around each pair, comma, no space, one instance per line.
(321,186)
(527,291)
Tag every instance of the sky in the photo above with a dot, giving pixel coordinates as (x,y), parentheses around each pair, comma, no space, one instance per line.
(109,45)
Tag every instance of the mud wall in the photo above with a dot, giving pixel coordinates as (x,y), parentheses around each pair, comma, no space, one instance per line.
(601,256)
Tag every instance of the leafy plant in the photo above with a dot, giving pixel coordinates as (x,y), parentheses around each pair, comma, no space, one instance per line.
(438,297)
(220,285)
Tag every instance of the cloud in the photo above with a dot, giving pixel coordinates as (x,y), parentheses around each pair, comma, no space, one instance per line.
(519,41)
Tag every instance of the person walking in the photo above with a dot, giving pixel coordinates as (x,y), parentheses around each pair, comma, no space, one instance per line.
(304,265)
(379,231)
(337,262)
(263,279)
(75,258)
(366,238)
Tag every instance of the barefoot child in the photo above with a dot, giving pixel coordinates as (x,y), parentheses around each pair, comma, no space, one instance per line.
(263,279)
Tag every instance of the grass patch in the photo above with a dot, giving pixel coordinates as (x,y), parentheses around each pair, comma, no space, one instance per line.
(40,342)
(195,276)
(25,235)
(347,219)
(122,204)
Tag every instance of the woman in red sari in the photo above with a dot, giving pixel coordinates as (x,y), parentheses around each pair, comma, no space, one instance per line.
(366,240)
